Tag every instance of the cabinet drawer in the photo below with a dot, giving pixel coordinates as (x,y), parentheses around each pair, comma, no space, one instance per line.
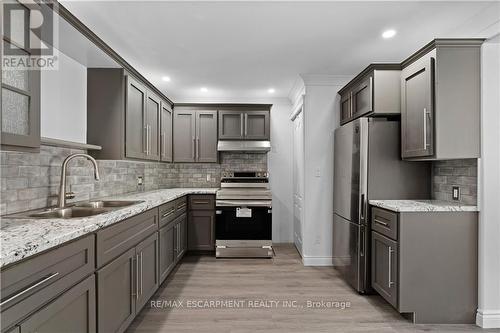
(385,222)
(201,202)
(180,206)
(167,213)
(24,286)
(118,238)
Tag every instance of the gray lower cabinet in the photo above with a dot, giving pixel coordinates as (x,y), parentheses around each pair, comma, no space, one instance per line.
(422,260)
(195,136)
(167,256)
(437,102)
(385,267)
(201,223)
(74,311)
(147,265)
(244,125)
(116,296)
(180,237)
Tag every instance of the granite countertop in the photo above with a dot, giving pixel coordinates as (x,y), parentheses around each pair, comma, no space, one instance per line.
(21,238)
(423,206)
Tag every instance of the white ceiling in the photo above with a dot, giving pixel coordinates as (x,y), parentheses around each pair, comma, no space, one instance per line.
(240,49)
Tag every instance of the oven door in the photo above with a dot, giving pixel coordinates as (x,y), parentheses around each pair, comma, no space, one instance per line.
(243,223)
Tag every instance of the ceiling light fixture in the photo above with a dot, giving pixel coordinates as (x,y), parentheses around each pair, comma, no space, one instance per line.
(389,33)
(203,89)
(166,78)
(271,90)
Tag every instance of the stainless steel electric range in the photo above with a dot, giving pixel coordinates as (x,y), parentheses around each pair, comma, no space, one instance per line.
(243,225)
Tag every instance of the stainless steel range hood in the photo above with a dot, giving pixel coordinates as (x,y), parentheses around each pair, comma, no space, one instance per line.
(248,146)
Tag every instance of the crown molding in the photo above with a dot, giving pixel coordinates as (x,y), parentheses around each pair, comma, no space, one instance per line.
(325,79)
(231,100)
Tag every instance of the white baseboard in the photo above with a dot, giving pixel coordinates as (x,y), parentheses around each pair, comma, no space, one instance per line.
(488,318)
(317,261)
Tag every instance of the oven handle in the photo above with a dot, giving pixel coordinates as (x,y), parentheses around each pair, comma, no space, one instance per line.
(230,203)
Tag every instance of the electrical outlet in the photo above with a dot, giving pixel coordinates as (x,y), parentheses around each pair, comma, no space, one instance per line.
(455,193)
(318,172)
(209,178)
(140,180)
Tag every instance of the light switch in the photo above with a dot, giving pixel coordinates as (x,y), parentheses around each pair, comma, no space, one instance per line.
(208,177)
(318,172)
(456,193)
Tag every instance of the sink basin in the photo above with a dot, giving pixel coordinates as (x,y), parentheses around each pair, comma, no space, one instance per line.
(81,209)
(69,212)
(107,204)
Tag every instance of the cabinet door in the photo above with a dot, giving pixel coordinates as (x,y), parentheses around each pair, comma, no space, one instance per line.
(116,293)
(74,311)
(184,136)
(153,109)
(201,230)
(256,125)
(166,132)
(147,257)
(166,254)
(20,90)
(206,136)
(345,108)
(417,90)
(362,98)
(385,267)
(231,124)
(184,235)
(135,133)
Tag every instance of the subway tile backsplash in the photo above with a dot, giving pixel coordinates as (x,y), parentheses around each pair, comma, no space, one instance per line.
(461,173)
(31,180)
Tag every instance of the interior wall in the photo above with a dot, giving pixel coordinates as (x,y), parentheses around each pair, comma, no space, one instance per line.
(488,313)
(64,101)
(320,120)
(280,172)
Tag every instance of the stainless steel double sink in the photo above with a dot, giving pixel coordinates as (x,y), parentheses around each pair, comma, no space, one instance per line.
(82,209)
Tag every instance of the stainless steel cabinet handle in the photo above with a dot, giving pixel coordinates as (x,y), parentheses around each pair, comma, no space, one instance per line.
(241,123)
(381,222)
(351,106)
(145,137)
(137,276)
(141,273)
(425,128)
(29,288)
(162,140)
(390,267)
(194,144)
(370,91)
(170,212)
(197,148)
(201,202)
(246,124)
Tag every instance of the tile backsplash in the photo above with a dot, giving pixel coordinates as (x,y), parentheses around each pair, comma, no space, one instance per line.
(31,180)
(461,173)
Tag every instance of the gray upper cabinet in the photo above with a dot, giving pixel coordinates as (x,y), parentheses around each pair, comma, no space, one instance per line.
(375,91)
(195,136)
(244,125)
(20,96)
(135,133)
(417,81)
(184,136)
(166,132)
(206,136)
(74,311)
(126,118)
(152,127)
(436,124)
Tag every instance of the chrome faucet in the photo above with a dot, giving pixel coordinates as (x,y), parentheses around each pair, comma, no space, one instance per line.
(61,201)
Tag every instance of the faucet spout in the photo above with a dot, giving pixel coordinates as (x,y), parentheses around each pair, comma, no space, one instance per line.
(61,201)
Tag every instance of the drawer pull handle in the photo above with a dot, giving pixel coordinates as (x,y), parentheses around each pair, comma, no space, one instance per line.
(182,206)
(382,223)
(28,289)
(201,202)
(169,212)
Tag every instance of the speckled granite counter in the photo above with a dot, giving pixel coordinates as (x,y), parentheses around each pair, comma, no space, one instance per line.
(422,206)
(21,238)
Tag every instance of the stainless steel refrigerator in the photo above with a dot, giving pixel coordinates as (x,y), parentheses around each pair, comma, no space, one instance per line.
(368,165)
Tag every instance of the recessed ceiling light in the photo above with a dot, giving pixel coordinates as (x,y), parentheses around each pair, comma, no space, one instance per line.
(166,78)
(389,33)
(271,90)
(203,89)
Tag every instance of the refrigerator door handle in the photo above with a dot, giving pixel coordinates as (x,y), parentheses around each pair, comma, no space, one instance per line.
(363,208)
(362,242)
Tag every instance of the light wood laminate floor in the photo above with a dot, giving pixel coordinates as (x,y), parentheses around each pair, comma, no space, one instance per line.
(252,282)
